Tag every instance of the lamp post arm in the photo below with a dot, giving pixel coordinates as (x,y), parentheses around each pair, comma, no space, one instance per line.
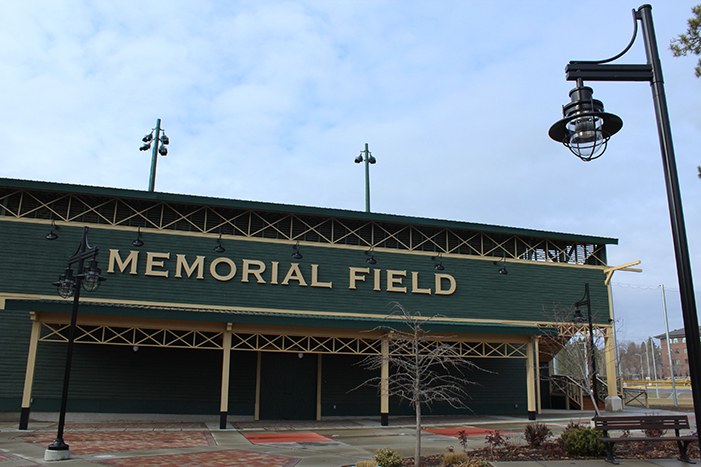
(681,248)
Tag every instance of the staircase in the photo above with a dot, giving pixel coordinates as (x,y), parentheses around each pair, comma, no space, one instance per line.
(577,398)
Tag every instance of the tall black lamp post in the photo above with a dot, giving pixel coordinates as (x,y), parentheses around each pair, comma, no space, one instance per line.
(578,318)
(69,285)
(586,128)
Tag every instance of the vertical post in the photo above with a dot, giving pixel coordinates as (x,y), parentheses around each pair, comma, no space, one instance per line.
(29,373)
(615,357)
(59,444)
(256,410)
(319,380)
(530,380)
(669,349)
(367,178)
(592,348)
(654,366)
(536,343)
(225,370)
(384,382)
(681,248)
(610,362)
(154,157)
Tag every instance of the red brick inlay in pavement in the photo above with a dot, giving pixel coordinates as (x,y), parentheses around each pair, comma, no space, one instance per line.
(293,437)
(93,442)
(227,458)
(469,430)
(16,460)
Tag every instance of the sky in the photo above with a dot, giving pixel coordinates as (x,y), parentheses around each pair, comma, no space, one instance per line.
(272,101)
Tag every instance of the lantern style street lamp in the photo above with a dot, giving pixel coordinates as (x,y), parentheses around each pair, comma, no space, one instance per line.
(159,147)
(585,129)
(69,285)
(369,159)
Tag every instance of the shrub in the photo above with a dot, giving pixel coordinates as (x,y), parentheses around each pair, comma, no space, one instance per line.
(572,426)
(536,433)
(583,442)
(462,436)
(388,458)
(454,458)
(554,448)
(495,439)
(366,464)
(475,462)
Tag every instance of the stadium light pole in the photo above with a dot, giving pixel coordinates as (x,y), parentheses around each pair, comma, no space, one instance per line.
(159,147)
(585,130)
(369,159)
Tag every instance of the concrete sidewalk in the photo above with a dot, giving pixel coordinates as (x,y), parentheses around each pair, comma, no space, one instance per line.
(150,440)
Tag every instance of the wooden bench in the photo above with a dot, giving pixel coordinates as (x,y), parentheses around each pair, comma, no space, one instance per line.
(645,422)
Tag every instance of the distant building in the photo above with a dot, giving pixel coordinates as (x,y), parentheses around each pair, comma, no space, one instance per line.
(680,358)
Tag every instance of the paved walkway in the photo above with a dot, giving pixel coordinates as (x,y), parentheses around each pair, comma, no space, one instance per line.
(160,440)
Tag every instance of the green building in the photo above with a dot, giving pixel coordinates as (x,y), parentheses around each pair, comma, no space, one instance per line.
(212,314)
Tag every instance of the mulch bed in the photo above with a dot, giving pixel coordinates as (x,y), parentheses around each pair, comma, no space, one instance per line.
(554,451)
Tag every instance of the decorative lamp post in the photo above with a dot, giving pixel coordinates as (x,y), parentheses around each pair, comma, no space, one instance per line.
(369,159)
(585,129)
(69,285)
(578,318)
(159,147)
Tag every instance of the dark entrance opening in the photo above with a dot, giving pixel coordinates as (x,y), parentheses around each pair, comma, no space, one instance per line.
(287,386)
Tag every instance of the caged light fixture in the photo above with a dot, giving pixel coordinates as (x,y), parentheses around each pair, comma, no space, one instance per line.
(138,242)
(51,235)
(501,263)
(371,259)
(297,254)
(439,258)
(219,248)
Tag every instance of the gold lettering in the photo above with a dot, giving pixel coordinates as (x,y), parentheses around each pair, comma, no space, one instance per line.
(377,279)
(439,284)
(315,277)
(151,263)
(182,264)
(273,272)
(415,285)
(246,270)
(355,277)
(122,265)
(216,275)
(395,277)
(294,274)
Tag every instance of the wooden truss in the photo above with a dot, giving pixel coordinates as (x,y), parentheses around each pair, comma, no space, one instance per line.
(255,341)
(269,224)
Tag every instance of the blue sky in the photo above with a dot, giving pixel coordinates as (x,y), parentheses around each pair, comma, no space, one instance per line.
(272,101)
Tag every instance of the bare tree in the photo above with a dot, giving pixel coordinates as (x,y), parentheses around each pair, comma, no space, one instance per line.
(570,345)
(422,366)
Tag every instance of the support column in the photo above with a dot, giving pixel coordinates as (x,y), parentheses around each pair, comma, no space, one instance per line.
(613,400)
(530,380)
(318,386)
(536,343)
(384,383)
(256,410)
(29,373)
(225,370)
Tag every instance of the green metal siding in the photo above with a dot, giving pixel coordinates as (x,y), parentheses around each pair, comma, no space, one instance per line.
(525,294)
